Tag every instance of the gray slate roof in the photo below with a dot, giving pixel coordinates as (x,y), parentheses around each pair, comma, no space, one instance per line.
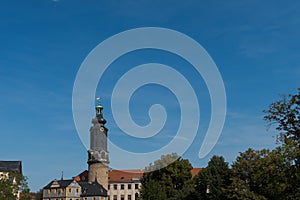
(92,189)
(11,166)
(62,183)
(88,189)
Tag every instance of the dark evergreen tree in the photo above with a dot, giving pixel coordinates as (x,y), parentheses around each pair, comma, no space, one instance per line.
(213,180)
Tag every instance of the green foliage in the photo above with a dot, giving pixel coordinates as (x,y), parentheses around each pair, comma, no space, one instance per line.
(285,113)
(259,174)
(10,184)
(254,175)
(170,182)
(213,180)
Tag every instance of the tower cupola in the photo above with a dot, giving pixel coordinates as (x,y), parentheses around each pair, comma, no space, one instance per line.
(99,114)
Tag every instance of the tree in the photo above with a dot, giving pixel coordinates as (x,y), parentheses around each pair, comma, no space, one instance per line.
(285,114)
(213,180)
(10,184)
(259,174)
(171,182)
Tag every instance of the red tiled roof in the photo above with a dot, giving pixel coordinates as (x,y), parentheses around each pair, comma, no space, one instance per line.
(124,175)
(83,176)
(195,171)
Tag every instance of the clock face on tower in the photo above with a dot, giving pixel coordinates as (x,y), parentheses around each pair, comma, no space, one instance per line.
(101,129)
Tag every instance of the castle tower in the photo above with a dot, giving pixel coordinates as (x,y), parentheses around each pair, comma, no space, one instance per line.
(97,155)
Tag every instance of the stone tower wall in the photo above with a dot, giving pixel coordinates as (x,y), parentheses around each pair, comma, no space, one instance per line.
(99,171)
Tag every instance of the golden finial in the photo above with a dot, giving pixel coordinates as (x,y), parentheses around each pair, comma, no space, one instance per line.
(98,104)
(98,100)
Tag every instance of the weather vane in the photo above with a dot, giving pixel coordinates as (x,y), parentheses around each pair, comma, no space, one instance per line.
(98,100)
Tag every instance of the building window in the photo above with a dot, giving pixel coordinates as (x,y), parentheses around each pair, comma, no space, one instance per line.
(49,191)
(115,186)
(136,186)
(77,190)
(115,197)
(70,190)
(122,186)
(122,197)
(108,186)
(136,195)
(129,186)
(55,191)
(129,197)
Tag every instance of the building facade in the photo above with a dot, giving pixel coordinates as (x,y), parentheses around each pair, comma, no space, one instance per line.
(124,184)
(74,190)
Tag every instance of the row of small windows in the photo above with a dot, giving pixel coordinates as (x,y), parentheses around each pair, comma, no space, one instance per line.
(55,191)
(122,186)
(129,197)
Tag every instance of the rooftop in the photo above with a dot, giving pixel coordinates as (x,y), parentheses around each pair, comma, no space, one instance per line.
(11,166)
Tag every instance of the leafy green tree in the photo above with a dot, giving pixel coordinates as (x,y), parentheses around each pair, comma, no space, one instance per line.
(173,181)
(213,180)
(10,184)
(285,114)
(262,174)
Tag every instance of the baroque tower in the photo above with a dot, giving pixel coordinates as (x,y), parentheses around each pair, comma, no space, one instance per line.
(98,155)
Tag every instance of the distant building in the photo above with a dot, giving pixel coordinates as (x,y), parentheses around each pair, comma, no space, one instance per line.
(73,190)
(7,167)
(122,184)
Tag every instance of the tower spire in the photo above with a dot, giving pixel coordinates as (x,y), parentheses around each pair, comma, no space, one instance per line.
(98,158)
(99,113)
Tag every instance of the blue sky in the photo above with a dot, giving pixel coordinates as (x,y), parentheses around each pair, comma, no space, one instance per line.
(255,45)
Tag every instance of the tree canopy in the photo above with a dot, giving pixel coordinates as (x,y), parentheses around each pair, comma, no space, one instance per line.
(11,183)
(255,174)
(171,182)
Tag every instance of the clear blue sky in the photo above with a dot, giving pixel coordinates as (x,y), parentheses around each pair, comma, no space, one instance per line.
(255,45)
